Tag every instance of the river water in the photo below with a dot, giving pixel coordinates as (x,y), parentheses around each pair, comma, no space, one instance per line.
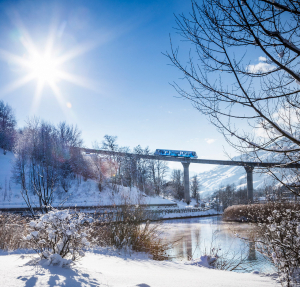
(197,236)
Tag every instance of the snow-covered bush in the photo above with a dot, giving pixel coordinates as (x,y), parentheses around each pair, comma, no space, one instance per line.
(280,241)
(59,236)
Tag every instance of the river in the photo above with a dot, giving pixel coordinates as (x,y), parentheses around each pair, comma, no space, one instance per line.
(196,236)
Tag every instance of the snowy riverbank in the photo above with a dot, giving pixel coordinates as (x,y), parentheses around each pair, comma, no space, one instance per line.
(109,268)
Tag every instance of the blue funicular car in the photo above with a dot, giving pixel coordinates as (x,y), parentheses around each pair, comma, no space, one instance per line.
(176,153)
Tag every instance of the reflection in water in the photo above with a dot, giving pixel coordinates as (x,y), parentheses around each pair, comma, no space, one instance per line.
(252,251)
(197,236)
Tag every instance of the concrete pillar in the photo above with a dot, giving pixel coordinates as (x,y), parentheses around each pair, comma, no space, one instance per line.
(249,170)
(186,182)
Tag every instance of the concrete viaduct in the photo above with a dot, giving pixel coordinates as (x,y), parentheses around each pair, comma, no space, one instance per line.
(249,167)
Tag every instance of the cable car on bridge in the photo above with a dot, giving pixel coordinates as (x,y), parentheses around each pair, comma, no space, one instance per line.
(176,153)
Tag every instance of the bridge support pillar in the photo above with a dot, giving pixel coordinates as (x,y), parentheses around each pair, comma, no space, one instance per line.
(249,170)
(186,181)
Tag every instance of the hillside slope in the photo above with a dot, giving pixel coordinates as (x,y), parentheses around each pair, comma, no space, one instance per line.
(81,193)
(222,175)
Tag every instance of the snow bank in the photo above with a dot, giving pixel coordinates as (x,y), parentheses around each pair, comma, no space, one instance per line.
(104,269)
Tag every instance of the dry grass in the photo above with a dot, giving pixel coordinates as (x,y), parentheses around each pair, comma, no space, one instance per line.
(127,229)
(12,229)
(256,212)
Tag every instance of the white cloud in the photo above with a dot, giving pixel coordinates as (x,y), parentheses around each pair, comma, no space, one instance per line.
(260,132)
(210,141)
(262,59)
(261,67)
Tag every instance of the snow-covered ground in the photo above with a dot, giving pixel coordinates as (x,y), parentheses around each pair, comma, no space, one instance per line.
(109,268)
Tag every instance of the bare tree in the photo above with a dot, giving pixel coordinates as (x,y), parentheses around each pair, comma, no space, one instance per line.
(195,188)
(125,167)
(7,127)
(254,105)
(142,165)
(157,171)
(100,167)
(69,138)
(69,135)
(177,183)
(110,144)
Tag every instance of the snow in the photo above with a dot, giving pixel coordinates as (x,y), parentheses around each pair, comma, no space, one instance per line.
(108,268)
(204,261)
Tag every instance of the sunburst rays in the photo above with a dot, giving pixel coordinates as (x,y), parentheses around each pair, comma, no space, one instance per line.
(44,66)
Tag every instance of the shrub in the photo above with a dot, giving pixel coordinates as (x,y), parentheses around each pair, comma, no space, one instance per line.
(12,228)
(278,235)
(59,236)
(257,212)
(127,229)
(280,241)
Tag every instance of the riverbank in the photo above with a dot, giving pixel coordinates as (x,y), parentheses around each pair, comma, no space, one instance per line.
(104,267)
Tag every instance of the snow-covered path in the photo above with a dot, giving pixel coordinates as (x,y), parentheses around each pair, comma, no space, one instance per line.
(116,270)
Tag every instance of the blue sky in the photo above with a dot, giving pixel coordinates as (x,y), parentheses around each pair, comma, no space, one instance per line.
(122,74)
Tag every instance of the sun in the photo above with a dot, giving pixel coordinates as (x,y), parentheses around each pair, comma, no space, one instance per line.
(44,68)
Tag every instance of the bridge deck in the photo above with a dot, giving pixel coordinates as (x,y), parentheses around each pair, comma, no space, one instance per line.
(202,161)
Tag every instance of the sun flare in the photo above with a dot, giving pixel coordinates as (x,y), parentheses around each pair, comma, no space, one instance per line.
(46,66)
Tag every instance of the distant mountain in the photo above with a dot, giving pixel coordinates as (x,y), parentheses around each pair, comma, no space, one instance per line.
(223,175)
